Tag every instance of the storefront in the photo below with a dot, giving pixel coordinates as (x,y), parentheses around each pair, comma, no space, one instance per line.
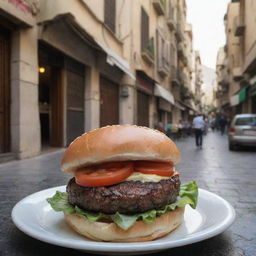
(61,97)
(18,81)
(92,75)
(165,103)
(252,93)
(145,89)
(177,112)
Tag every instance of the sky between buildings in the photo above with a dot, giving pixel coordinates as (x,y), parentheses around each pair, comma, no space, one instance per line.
(206,17)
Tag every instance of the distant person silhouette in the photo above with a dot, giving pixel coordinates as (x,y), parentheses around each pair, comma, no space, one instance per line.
(222,123)
(199,126)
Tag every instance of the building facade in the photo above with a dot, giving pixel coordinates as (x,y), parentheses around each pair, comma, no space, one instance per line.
(238,79)
(69,68)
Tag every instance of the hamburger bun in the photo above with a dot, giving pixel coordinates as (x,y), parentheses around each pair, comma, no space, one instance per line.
(119,143)
(139,232)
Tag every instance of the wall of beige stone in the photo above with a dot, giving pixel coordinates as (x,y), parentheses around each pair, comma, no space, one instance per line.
(249,35)
(233,46)
(92,99)
(85,16)
(25,124)
(127,103)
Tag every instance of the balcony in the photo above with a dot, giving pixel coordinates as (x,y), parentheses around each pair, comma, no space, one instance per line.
(148,52)
(182,53)
(237,73)
(160,6)
(162,70)
(179,34)
(239,26)
(174,76)
(235,1)
(171,20)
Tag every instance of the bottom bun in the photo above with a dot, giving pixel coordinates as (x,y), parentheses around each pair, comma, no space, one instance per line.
(139,232)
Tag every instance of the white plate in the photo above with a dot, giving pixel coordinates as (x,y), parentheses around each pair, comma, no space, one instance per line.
(34,216)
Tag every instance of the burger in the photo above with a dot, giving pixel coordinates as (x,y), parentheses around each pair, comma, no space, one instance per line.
(125,187)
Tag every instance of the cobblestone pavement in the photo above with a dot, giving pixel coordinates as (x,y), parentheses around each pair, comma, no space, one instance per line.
(231,175)
(228,174)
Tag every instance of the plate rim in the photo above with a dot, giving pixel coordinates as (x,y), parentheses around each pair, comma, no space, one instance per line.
(154,245)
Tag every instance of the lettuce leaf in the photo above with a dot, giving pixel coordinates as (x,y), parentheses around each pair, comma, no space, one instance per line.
(188,195)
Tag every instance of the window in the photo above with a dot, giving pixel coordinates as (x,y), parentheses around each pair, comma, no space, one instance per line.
(246,121)
(173,56)
(163,52)
(144,29)
(110,14)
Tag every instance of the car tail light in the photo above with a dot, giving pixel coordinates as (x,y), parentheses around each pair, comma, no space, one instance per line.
(232,129)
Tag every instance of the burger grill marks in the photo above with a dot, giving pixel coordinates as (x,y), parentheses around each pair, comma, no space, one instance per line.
(126,197)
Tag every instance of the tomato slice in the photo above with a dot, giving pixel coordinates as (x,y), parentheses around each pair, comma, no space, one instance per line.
(103,174)
(158,168)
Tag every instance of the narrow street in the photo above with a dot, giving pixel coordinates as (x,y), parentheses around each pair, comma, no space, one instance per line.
(228,174)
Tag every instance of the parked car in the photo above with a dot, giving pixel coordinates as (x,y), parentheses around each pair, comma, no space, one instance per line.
(242,131)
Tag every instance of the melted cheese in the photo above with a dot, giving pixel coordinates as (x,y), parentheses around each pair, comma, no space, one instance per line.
(146,177)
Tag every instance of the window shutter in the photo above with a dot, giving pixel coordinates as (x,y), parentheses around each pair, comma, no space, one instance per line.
(175,58)
(172,55)
(144,29)
(160,49)
(167,56)
(110,14)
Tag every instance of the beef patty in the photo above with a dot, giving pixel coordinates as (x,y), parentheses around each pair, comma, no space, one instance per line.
(127,197)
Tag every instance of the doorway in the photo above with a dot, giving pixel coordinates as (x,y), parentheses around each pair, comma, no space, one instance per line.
(5,43)
(51,106)
(109,102)
(142,109)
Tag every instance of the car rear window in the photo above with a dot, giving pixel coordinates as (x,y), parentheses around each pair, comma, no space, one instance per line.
(246,121)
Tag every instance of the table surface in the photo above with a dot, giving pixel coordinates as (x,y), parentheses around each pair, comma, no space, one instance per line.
(22,178)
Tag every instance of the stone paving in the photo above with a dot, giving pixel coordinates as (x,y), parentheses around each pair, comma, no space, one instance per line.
(228,174)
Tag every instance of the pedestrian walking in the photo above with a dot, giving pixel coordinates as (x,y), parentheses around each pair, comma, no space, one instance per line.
(222,124)
(213,124)
(199,126)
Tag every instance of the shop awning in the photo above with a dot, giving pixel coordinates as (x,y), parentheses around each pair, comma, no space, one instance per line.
(189,106)
(241,96)
(234,100)
(115,59)
(179,106)
(112,57)
(163,93)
